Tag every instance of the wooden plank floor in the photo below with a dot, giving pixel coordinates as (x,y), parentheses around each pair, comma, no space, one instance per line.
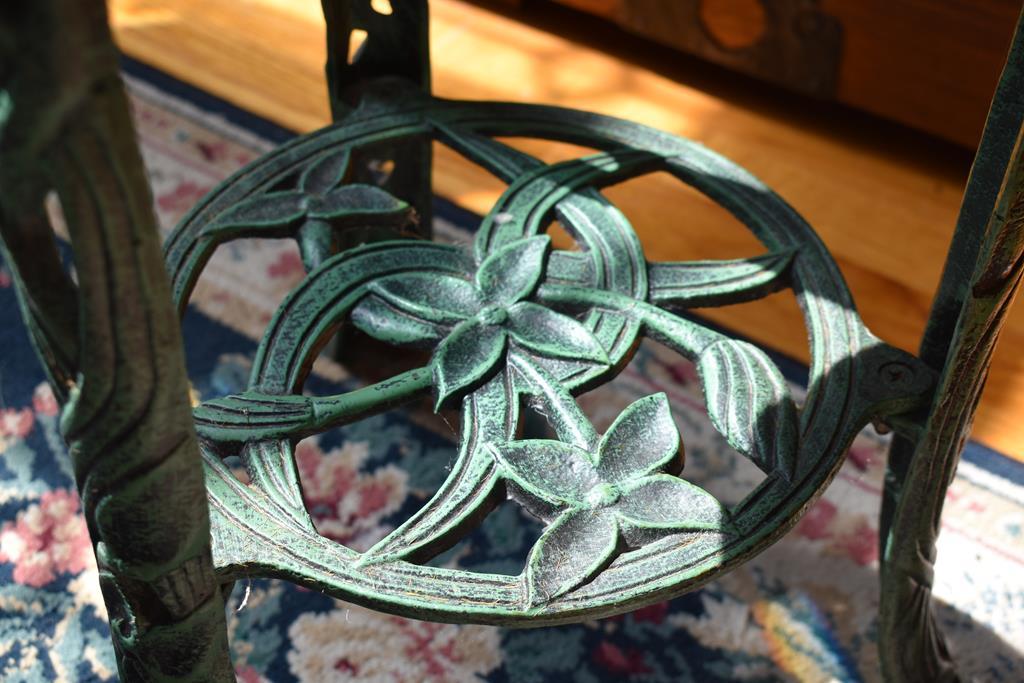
(883,198)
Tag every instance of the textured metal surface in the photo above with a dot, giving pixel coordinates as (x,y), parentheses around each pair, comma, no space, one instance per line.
(981,279)
(511,322)
(110,343)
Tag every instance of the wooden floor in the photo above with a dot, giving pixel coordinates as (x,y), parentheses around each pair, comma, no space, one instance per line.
(883,198)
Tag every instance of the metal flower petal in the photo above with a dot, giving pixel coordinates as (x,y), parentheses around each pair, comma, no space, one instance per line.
(383,321)
(512,272)
(359,205)
(273,209)
(750,404)
(642,439)
(325,173)
(550,470)
(552,334)
(431,296)
(466,357)
(569,553)
(693,284)
(666,502)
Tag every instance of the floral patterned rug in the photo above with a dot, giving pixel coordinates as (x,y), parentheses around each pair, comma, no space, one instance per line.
(804,610)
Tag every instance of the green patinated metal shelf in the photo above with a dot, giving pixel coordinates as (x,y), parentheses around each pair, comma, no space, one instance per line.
(512,327)
(513,322)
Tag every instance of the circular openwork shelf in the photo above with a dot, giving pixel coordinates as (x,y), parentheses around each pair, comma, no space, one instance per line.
(514,320)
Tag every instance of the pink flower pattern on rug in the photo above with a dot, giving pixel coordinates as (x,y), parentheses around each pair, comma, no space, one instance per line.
(16,423)
(183,197)
(43,401)
(347,504)
(853,537)
(287,265)
(621,662)
(345,645)
(47,539)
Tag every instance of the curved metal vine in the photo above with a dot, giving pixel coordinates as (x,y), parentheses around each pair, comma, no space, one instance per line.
(512,321)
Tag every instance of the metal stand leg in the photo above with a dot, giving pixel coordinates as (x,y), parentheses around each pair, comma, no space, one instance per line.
(120,374)
(979,284)
(397,45)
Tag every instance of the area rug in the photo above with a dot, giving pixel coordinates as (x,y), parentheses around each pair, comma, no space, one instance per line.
(805,610)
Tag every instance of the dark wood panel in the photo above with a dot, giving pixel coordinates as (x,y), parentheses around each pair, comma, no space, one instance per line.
(930,64)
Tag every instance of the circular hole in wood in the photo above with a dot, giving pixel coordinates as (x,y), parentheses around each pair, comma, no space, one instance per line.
(734,24)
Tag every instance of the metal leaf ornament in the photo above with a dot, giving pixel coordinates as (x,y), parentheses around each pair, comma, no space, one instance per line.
(598,500)
(315,212)
(750,404)
(475,321)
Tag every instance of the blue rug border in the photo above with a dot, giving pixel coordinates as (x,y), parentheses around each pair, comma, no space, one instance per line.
(794,370)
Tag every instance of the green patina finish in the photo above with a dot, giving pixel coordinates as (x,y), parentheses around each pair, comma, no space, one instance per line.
(981,279)
(510,323)
(110,341)
(513,322)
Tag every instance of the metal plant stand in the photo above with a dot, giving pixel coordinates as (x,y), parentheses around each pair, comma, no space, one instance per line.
(510,323)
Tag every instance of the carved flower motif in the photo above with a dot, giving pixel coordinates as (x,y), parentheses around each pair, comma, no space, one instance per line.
(318,197)
(475,321)
(597,500)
